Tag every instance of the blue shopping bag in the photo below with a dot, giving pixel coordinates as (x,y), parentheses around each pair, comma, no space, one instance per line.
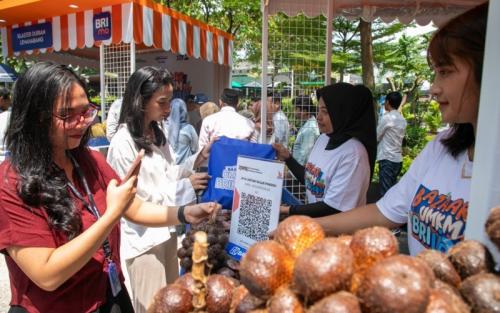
(222,167)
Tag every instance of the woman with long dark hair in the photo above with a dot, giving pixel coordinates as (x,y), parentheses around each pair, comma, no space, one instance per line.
(338,170)
(433,195)
(150,253)
(60,202)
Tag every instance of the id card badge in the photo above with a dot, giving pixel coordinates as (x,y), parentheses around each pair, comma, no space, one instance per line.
(114,281)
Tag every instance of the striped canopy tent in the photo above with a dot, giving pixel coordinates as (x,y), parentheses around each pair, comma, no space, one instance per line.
(148,28)
(485,185)
(140,21)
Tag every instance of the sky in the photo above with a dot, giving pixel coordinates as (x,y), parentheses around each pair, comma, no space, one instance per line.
(420,30)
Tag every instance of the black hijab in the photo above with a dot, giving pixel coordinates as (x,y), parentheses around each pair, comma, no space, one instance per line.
(353,116)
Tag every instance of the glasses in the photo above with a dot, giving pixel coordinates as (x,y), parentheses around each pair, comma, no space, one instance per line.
(71,120)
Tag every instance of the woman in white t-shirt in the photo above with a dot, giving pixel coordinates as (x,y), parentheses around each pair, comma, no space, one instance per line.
(433,196)
(338,170)
(150,253)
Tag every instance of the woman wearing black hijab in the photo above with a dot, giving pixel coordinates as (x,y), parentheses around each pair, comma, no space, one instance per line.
(338,171)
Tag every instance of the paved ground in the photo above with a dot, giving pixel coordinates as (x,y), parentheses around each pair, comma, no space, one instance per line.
(4,286)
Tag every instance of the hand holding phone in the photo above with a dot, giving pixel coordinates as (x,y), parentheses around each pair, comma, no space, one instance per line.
(135,167)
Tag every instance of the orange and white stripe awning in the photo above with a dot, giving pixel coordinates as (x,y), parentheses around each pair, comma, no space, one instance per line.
(142,21)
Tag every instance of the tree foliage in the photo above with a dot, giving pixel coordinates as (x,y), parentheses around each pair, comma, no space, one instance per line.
(241,19)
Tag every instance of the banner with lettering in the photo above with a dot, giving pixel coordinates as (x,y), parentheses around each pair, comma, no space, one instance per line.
(102,26)
(256,203)
(31,37)
(222,167)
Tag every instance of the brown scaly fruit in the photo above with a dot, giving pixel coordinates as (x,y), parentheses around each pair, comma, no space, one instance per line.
(482,292)
(396,284)
(238,294)
(445,301)
(345,239)
(441,285)
(186,281)
(285,301)
(470,257)
(172,299)
(441,266)
(493,226)
(265,267)
(324,268)
(340,302)
(369,246)
(297,233)
(249,303)
(219,294)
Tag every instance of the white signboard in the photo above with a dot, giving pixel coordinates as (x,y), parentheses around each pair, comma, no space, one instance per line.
(256,202)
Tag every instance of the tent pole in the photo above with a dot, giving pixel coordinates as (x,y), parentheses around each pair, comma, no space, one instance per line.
(263,90)
(485,185)
(132,57)
(328,51)
(102,82)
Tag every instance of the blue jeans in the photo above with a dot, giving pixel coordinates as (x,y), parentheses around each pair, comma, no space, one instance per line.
(388,174)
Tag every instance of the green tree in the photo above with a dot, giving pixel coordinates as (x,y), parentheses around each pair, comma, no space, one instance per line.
(348,46)
(241,19)
(407,64)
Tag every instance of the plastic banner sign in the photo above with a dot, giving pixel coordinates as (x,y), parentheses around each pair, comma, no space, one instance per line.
(102,26)
(31,37)
(222,167)
(256,203)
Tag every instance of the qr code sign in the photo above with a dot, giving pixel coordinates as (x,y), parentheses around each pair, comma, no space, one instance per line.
(255,213)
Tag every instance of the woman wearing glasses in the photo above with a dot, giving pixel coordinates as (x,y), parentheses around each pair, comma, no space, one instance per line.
(60,203)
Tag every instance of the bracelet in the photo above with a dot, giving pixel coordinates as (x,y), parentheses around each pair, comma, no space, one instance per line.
(180,215)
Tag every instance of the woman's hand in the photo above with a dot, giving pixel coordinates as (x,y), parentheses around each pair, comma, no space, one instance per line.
(282,153)
(118,198)
(199,181)
(198,212)
(284,209)
(205,153)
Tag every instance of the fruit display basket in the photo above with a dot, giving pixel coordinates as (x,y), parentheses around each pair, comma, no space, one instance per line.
(301,270)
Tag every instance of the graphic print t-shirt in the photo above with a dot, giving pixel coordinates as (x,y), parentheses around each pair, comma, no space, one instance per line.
(339,177)
(433,196)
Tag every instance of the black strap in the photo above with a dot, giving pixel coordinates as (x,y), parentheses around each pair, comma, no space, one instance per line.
(296,168)
(90,205)
(317,209)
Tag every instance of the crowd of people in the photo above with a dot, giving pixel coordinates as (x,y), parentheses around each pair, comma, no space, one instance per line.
(69,216)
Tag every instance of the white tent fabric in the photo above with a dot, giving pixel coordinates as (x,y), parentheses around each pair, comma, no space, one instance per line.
(421,11)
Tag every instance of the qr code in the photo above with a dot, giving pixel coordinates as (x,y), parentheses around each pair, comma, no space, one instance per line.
(255,215)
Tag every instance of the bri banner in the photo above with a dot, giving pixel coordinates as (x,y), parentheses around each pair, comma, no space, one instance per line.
(32,37)
(222,167)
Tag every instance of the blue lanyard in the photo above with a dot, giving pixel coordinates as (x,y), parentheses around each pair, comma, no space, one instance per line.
(91,207)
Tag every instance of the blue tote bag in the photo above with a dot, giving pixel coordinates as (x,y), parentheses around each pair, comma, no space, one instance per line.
(222,167)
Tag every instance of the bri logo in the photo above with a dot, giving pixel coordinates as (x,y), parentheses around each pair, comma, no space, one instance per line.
(102,26)
(235,251)
(437,220)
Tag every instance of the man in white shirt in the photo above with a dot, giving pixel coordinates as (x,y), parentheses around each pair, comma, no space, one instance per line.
(281,126)
(308,133)
(113,117)
(227,122)
(390,134)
